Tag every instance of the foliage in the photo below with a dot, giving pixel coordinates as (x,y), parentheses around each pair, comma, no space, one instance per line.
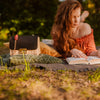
(93,6)
(26,17)
(94,77)
(36,84)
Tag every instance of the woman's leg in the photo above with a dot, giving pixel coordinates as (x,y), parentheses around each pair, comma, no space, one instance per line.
(84,15)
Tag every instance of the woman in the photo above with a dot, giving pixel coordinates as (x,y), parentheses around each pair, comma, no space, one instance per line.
(71,36)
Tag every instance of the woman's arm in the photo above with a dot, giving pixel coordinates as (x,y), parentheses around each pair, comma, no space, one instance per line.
(91,47)
(95,53)
(88,45)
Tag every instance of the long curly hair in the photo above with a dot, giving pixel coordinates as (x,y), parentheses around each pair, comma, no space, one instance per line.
(61,29)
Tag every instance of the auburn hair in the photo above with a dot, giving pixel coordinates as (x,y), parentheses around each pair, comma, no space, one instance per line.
(61,29)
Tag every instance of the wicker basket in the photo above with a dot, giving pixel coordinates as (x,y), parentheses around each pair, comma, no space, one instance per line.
(25,45)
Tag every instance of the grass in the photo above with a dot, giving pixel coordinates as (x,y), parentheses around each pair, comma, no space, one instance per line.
(36,84)
(27,67)
(94,77)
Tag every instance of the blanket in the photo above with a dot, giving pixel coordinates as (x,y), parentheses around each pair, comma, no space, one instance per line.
(22,59)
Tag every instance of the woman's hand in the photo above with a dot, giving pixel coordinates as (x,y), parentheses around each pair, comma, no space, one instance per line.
(95,53)
(98,53)
(77,53)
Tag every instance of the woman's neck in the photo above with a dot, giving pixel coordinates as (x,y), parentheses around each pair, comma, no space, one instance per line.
(75,32)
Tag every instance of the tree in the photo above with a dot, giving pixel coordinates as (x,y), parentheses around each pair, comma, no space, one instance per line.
(28,16)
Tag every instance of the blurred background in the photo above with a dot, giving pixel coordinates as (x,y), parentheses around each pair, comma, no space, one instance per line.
(27,17)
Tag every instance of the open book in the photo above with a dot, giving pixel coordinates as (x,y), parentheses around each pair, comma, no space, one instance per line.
(89,60)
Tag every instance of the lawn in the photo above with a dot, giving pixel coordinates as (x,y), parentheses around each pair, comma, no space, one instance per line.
(37,84)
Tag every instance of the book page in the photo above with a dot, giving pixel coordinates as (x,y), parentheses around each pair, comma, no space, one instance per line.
(73,60)
(89,60)
(92,57)
(93,60)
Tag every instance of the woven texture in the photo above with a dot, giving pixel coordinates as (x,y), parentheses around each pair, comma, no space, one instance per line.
(42,58)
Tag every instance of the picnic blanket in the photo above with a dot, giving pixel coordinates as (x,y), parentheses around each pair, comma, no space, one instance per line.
(43,61)
(77,68)
(57,67)
(22,59)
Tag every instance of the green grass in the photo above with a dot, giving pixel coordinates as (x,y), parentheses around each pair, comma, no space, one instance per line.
(95,76)
(37,84)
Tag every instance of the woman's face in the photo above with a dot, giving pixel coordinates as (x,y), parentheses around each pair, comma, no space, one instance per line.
(76,17)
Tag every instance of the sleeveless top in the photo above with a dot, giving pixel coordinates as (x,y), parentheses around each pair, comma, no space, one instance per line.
(87,43)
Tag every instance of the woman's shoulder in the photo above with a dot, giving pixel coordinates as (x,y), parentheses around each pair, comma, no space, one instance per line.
(84,29)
